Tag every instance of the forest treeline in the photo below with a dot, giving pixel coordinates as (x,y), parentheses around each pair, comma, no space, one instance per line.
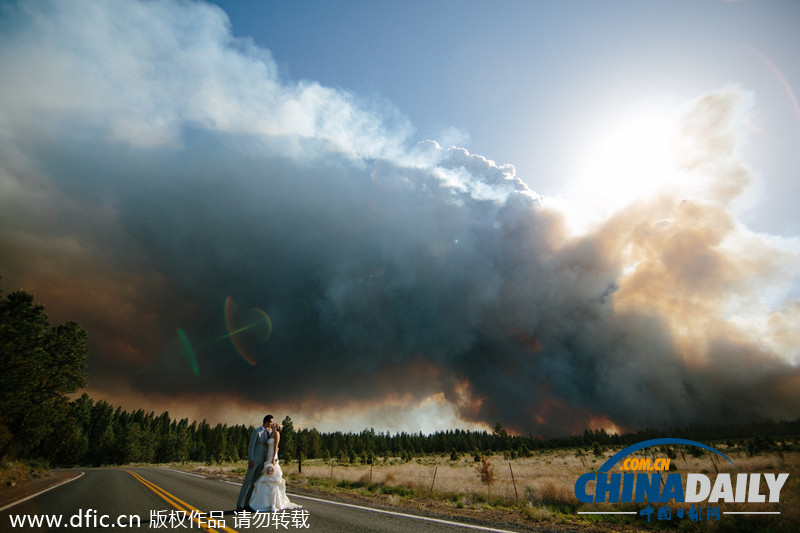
(118,437)
(41,366)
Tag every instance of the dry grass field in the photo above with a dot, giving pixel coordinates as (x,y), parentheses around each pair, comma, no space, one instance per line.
(540,489)
(545,475)
(544,483)
(552,473)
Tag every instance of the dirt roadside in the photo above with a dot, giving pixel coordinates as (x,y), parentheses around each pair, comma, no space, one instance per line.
(12,491)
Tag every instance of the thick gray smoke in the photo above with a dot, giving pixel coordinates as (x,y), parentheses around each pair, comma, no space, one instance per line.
(163,186)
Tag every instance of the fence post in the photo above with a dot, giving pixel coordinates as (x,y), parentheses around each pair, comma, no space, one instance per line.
(434,475)
(660,476)
(516,494)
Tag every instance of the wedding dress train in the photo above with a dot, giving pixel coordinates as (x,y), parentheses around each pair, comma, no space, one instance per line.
(269,493)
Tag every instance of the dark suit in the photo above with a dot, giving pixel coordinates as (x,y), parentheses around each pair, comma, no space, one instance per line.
(256,452)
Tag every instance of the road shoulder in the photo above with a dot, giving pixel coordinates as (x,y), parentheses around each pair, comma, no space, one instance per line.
(25,488)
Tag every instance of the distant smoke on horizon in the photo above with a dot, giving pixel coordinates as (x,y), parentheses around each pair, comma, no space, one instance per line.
(233,240)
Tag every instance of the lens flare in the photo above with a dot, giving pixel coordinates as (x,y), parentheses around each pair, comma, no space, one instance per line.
(781,79)
(300,309)
(188,352)
(247,330)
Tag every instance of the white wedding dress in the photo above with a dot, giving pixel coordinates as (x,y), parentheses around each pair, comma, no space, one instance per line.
(269,493)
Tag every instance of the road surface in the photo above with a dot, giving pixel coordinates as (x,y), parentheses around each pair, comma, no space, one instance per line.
(155,499)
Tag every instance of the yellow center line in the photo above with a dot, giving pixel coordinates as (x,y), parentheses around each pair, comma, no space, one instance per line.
(177,503)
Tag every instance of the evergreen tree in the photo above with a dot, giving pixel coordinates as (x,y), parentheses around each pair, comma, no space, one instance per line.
(182,440)
(287,445)
(39,365)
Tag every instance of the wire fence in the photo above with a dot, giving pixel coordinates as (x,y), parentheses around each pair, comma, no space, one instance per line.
(544,478)
(507,479)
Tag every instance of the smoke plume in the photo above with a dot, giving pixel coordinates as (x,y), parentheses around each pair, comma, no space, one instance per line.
(234,242)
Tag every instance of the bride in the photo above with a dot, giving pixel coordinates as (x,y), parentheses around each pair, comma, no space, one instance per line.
(269,493)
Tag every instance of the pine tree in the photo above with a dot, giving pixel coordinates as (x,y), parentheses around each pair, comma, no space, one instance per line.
(39,365)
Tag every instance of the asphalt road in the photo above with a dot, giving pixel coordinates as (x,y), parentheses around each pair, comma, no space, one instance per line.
(162,500)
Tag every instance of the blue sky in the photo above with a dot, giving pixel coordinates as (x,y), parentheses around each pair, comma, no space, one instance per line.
(412,216)
(533,83)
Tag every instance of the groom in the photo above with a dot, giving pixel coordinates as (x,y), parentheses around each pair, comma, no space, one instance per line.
(256,454)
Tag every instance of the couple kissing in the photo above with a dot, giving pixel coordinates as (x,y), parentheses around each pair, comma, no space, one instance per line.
(264,489)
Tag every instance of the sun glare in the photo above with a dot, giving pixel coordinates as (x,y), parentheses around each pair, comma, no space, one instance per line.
(631,158)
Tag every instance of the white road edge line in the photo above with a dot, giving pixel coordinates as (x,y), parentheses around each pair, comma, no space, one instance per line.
(405,515)
(12,504)
(437,520)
